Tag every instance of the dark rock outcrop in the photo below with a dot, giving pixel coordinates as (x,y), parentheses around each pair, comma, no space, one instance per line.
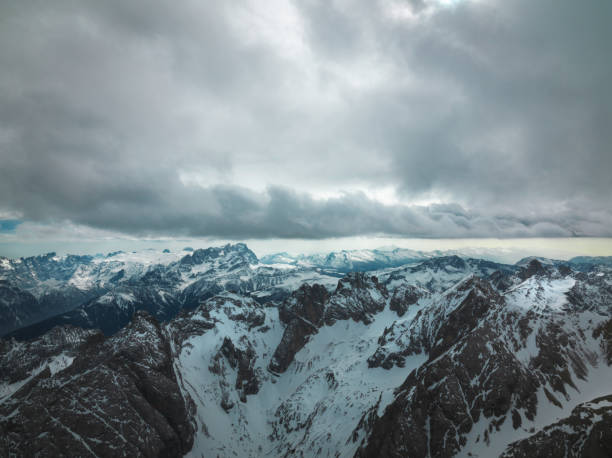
(242,358)
(473,349)
(470,373)
(358,296)
(605,332)
(119,397)
(534,267)
(405,296)
(586,433)
(303,315)
(20,360)
(17,307)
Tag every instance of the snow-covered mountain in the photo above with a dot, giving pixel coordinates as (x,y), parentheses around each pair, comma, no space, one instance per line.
(350,260)
(103,292)
(445,356)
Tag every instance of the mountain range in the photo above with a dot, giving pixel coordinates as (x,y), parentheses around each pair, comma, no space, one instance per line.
(214,352)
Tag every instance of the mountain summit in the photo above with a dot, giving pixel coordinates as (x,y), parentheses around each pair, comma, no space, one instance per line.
(213,352)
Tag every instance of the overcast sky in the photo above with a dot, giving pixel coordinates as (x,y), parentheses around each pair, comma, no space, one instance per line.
(310,119)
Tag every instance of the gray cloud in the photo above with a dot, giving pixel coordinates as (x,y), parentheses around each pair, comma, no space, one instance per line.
(233,212)
(486,118)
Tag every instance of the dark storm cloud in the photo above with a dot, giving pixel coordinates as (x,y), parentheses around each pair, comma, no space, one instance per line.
(234,212)
(533,75)
(239,120)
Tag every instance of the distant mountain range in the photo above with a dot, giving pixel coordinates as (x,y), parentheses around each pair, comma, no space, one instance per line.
(353,353)
(350,261)
(365,260)
(103,292)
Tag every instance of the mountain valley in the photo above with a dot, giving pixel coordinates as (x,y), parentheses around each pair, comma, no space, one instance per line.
(215,352)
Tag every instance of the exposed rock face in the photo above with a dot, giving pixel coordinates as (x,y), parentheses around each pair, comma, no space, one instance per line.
(103,292)
(234,362)
(448,357)
(240,309)
(586,433)
(34,288)
(17,307)
(605,331)
(57,349)
(404,338)
(303,314)
(592,291)
(501,281)
(241,358)
(188,324)
(534,267)
(405,296)
(119,397)
(385,358)
(439,405)
(357,296)
(440,397)
(480,366)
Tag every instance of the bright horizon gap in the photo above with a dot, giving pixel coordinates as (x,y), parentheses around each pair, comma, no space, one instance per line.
(504,250)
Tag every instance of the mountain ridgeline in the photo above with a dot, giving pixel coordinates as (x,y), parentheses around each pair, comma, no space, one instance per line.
(393,353)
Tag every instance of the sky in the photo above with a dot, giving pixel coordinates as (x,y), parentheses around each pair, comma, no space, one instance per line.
(125,122)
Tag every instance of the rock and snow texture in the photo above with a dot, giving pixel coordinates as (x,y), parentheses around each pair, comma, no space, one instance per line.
(444,357)
(118,397)
(447,371)
(314,401)
(22,361)
(586,433)
(501,365)
(103,292)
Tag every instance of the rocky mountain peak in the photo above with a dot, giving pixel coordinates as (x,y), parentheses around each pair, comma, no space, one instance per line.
(303,314)
(443,358)
(445,262)
(476,286)
(357,296)
(534,267)
(229,251)
(308,303)
(355,281)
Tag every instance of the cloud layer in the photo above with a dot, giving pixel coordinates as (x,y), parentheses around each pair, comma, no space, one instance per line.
(311,119)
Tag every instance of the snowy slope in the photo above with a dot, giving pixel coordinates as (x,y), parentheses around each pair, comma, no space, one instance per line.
(446,356)
(296,412)
(501,365)
(340,374)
